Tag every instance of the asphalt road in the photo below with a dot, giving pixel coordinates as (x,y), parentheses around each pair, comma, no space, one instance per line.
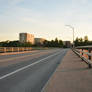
(28,72)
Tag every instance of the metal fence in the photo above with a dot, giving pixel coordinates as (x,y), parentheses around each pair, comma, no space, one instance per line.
(14,49)
(85,53)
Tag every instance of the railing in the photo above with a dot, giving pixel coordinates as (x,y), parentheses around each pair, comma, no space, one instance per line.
(14,49)
(85,53)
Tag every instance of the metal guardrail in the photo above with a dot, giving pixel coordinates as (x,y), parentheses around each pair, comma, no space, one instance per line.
(85,53)
(14,49)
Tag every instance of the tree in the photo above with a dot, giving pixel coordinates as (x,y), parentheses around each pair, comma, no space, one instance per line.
(85,38)
(56,42)
(76,42)
(79,42)
(60,43)
(86,41)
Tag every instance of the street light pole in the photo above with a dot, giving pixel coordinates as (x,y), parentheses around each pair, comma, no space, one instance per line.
(73,33)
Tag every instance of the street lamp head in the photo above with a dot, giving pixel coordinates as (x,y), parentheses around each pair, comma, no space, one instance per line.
(70,26)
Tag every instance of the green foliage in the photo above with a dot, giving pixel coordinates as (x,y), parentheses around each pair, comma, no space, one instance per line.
(14,44)
(53,43)
(82,41)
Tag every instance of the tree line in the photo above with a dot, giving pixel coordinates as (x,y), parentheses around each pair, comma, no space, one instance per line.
(46,43)
(82,41)
(53,43)
(14,44)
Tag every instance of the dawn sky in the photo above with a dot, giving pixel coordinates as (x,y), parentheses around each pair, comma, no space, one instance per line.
(45,18)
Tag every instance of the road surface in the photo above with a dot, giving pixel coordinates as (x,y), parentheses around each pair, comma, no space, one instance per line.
(28,72)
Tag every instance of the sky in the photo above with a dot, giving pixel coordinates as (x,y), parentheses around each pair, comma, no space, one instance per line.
(45,18)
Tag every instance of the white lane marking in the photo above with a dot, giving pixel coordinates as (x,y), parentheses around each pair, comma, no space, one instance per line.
(18,70)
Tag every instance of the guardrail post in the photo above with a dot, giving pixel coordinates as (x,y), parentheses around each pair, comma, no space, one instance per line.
(82,55)
(89,65)
(12,49)
(18,49)
(89,52)
(4,49)
(82,52)
(89,57)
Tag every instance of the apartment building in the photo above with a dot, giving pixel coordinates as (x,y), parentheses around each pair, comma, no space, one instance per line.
(26,37)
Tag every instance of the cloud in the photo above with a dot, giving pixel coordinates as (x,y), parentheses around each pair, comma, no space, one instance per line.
(14,2)
(84,1)
(80,1)
(10,2)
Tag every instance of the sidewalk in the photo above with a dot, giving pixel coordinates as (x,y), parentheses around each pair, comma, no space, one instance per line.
(72,75)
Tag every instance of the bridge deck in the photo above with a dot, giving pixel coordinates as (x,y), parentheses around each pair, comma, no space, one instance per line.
(72,75)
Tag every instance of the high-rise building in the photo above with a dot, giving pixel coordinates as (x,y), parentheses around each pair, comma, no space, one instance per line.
(26,37)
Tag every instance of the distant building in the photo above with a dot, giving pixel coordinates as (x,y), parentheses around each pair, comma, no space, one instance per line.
(39,41)
(67,44)
(26,37)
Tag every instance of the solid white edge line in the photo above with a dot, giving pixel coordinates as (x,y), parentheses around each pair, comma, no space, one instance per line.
(20,69)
